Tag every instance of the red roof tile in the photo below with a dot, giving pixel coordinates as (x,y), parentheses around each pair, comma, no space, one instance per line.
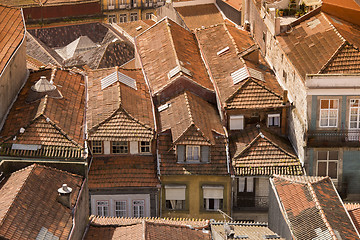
(12,32)
(31,3)
(48,121)
(312,207)
(29,203)
(123,171)
(119,112)
(354,211)
(165,46)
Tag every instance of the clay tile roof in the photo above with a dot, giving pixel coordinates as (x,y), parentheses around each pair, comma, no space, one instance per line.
(198,16)
(348,10)
(32,3)
(119,112)
(123,171)
(29,204)
(12,32)
(236,4)
(253,231)
(167,46)
(311,44)
(313,208)
(263,153)
(131,27)
(189,116)
(250,92)
(55,123)
(149,229)
(354,212)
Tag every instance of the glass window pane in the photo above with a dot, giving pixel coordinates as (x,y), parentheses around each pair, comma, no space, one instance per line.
(332,122)
(333,170)
(322,155)
(333,155)
(324,104)
(322,169)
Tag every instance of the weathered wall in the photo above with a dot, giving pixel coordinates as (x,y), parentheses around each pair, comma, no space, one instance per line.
(230,12)
(81,214)
(194,196)
(169,11)
(351,171)
(11,80)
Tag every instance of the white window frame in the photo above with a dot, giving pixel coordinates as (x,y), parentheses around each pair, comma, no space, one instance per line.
(104,206)
(111,4)
(148,16)
(144,146)
(123,211)
(327,161)
(234,126)
(328,110)
(136,207)
(357,108)
(273,117)
(132,15)
(188,151)
(122,18)
(112,18)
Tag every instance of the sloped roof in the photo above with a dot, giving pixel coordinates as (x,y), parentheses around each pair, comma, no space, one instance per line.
(123,171)
(262,153)
(167,46)
(12,32)
(32,3)
(29,203)
(131,27)
(79,44)
(145,229)
(119,111)
(189,113)
(198,16)
(313,208)
(243,93)
(348,10)
(354,212)
(55,122)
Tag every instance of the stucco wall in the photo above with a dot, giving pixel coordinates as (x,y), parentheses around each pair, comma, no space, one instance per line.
(11,80)
(194,196)
(351,166)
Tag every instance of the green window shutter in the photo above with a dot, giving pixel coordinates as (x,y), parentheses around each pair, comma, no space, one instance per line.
(205,154)
(180,153)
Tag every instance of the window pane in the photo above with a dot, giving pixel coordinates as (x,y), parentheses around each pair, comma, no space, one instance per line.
(211,203)
(322,168)
(324,104)
(322,155)
(334,104)
(333,155)
(333,170)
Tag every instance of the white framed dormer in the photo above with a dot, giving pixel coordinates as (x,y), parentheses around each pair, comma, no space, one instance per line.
(111,4)
(273,120)
(193,154)
(236,122)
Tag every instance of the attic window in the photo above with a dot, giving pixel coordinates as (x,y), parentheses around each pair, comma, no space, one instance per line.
(222,51)
(138,28)
(163,107)
(178,69)
(118,76)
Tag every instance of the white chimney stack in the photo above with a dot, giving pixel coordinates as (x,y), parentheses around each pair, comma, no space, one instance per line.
(64,196)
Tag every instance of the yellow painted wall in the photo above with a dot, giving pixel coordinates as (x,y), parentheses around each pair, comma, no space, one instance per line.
(194,196)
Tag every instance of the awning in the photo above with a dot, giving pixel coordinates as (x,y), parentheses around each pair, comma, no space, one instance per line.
(175,192)
(215,192)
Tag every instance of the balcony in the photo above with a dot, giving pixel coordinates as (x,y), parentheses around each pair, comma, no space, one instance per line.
(257,203)
(334,138)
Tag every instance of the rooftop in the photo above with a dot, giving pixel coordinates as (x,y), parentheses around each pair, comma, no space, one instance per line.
(26,195)
(123,171)
(32,3)
(313,208)
(198,16)
(168,52)
(119,107)
(12,31)
(134,28)
(50,123)
(354,212)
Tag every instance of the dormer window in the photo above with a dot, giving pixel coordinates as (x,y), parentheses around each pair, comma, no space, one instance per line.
(274,120)
(237,122)
(119,147)
(144,147)
(193,153)
(97,147)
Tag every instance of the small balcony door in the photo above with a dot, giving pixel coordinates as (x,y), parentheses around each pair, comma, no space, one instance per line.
(246,192)
(354,120)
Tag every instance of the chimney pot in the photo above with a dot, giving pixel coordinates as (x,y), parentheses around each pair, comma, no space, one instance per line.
(65,195)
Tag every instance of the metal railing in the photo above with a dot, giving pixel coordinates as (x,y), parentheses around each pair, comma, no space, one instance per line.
(348,136)
(256,202)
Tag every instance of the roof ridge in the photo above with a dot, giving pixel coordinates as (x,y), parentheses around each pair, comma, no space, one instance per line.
(134,118)
(40,44)
(276,145)
(41,107)
(321,211)
(188,107)
(168,24)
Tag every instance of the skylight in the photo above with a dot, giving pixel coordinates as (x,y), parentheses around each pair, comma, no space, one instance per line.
(178,69)
(163,107)
(222,51)
(246,72)
(112,78)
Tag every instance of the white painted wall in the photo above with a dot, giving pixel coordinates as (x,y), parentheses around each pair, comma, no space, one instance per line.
(106,147)
(134,147)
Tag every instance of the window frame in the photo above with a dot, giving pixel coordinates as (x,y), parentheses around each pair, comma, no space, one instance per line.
(123,16)
(116,210)
(149,146)
(147,16)
(113,17)
(357,115)
(273,115)
(327,161)
(138,205)
(183,187)
(217,201)
(132,15)
(101,147)
(103,207)
(111,4)
(112,145)
(199,153)
(234,117)
(328,115)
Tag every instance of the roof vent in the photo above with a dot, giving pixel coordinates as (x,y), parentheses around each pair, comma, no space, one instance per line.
(43,85)
(118,76)
(246,72)
(178,69)
(163,107)
(222,51)
(138,28)
(22,130)
(64,196)
(241,237)
(272,236)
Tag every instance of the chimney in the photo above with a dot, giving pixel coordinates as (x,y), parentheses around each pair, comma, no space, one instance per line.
(64,196)
(284,113)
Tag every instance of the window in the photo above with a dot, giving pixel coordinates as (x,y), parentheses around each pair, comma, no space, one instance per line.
(144,147)
(274,120)
(138,208)
(329,112)
(246,184)
(175,197)
(237,122)
(120,208)
(148,16)
(133,17)
(193,153)
(284,75)
(213,197)
(112,18)
(111,4)
(122,4)
(119,147)
(96,147)
(264,36)
(327,164)
(354,120)
(122,18)
(102,208)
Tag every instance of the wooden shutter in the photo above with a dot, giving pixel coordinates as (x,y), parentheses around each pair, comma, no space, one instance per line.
(180,153)
(205,154)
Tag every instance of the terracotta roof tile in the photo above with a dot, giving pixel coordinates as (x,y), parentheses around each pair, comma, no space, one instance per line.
(313,208)
(123,171)
(200,15)
(263,153)
(119,112)
(12,32)
(29,203)
(131,27)
(354,211)
(31,3)
(48,121)
(145,229)
(188,112)
(311,44)
(167,45)
(236,4)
